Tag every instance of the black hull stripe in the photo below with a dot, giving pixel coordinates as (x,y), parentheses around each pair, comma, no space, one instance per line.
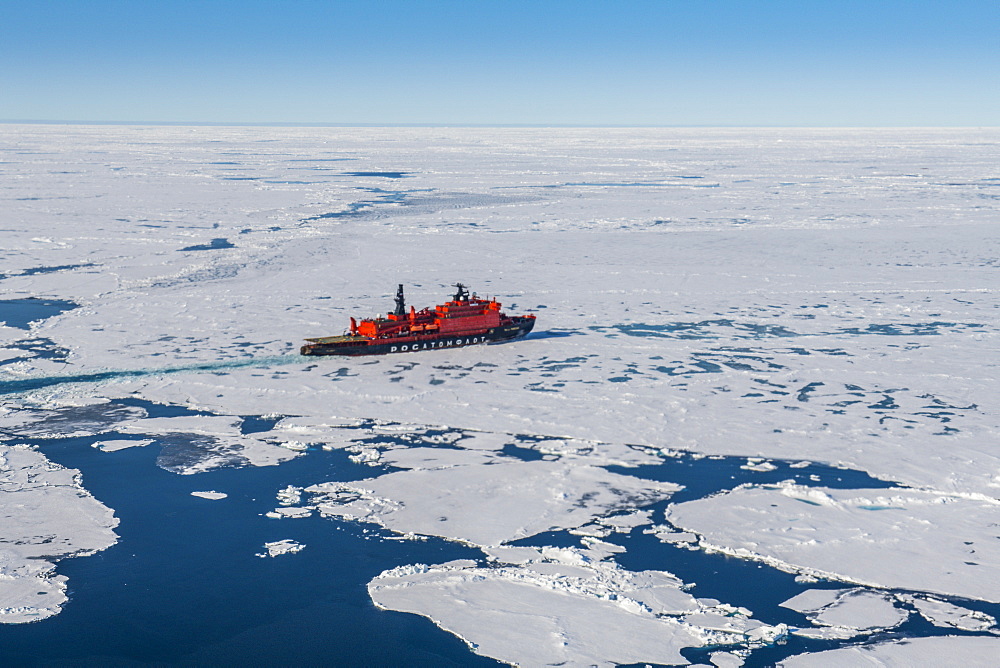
(496,335)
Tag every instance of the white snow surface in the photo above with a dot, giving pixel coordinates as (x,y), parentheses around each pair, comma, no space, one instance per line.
(714,274)
(802,295)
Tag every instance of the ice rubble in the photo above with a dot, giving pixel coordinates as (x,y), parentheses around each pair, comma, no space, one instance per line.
(45,515)
(905,539)
(807,295)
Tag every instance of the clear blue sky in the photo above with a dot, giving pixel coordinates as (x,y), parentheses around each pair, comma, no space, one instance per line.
(583,62)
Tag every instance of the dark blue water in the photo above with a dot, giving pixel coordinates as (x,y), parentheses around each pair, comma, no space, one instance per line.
(359,208)
(21,313)
(386,175)
(36,348)
(214,244)
(47,270)
(184,587)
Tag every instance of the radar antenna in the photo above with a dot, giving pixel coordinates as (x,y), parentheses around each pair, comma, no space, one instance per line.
(400,302)
(462,295)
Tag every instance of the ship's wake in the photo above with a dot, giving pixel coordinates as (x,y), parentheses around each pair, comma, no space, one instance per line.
(41,382)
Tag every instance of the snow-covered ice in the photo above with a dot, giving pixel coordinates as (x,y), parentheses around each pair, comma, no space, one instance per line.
(564,609)
(487,503)
(788,297)
(916,540)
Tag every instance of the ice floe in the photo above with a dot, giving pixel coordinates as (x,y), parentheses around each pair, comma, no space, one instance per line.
(846,612)
(280,547)
(211,495)
(877,537)
(945,651)
(487,503)
(45,515)
(114,445)
(565,608)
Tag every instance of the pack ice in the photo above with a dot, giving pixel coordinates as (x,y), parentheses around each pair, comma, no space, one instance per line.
(782,296)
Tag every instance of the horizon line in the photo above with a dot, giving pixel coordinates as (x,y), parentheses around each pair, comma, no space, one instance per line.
(310,124)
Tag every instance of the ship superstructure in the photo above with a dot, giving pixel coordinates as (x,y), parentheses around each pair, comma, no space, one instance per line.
(465,320)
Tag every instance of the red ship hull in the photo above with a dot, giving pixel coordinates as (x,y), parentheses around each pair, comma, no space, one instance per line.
(464,321)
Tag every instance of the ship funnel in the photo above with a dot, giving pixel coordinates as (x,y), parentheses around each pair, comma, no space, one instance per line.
(400,302)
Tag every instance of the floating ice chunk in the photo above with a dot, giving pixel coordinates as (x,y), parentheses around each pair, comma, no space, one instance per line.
(278,513)
(758,464)
(951,651)
(121,444)
(46,515)
(850,610)
(290,495)
(279,547)
(489,504)
(942,613)
(211,495)
(896,539)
